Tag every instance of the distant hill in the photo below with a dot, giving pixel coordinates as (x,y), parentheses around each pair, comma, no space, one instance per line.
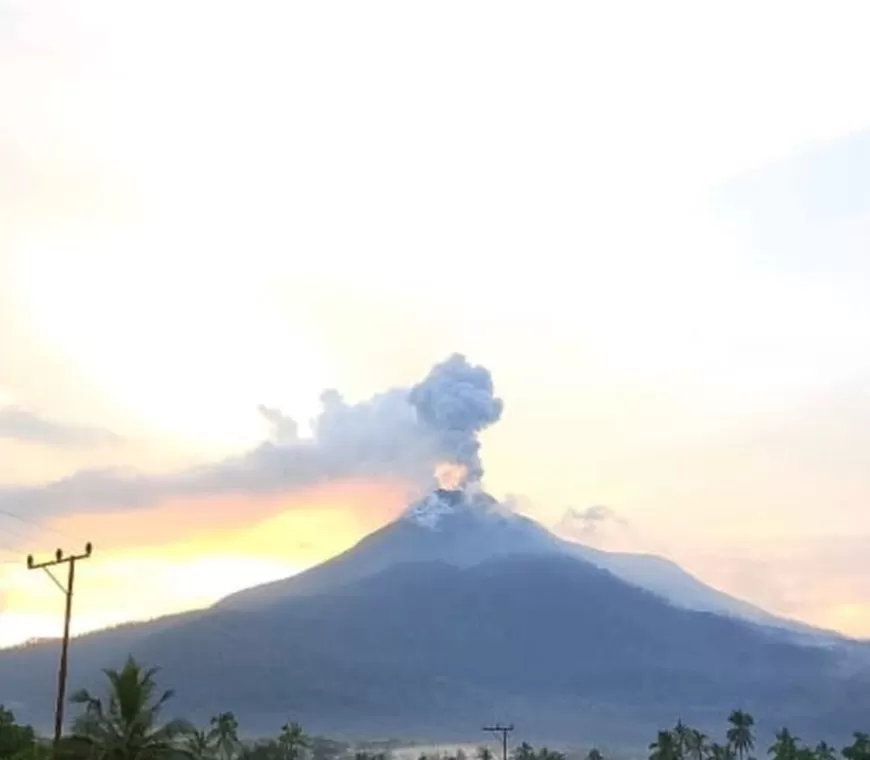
(430,648)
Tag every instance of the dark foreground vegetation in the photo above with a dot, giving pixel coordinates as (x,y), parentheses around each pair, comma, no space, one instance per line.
(127,724)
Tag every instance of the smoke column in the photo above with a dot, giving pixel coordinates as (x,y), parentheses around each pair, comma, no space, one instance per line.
(456,401)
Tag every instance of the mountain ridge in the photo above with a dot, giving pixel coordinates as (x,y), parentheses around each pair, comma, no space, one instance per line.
(463,515)
(421,646)
(423,629)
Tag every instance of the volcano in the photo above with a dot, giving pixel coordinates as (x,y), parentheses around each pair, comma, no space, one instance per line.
(466,527)
(461,611)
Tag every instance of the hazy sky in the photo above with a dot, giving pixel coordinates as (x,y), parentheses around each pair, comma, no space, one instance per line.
(650,221)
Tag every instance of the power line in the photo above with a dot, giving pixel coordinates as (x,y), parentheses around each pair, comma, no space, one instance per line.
(36,524)
(11,532)
(18,538)
(13,543)
(67,591)
(15,532)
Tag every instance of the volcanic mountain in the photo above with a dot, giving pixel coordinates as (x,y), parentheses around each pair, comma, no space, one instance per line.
(463,528)
(459,612)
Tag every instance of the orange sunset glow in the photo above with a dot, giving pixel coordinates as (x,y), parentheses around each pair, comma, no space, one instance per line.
(183,555)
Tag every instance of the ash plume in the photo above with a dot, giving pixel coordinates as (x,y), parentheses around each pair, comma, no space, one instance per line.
(402,433)
(456,401)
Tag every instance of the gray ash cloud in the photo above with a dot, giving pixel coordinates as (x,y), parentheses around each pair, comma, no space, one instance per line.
(456,401)
(400,433)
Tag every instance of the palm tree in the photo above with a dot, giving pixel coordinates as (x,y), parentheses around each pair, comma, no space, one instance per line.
(721,752)
(292,741)
(483,753)
(127,727)
(825,751)
(741,735)
(594,754)
(696,744)
(524,752)
(266,749)
(225,734)
(681,734)
(785,747)
(7,718)
(664,747)
(859,749)
(199,746)
(15,738)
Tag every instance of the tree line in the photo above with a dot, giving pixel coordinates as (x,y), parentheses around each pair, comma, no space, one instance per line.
(128,725)
(740,743)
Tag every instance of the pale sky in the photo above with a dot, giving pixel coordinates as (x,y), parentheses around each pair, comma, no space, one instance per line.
(650,221)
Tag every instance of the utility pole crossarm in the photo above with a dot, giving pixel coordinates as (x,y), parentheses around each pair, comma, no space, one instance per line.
(60,559)
(498,728)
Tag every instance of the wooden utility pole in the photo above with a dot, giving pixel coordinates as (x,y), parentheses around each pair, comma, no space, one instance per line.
(498,728)
(67,591)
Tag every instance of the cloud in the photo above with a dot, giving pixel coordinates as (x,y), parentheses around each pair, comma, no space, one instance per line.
(586,524)
(19,424)
(387,435)
(285,429)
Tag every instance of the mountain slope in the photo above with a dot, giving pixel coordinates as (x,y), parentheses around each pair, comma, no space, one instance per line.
(559,646)
(464,529)
(446,526)
(461,611)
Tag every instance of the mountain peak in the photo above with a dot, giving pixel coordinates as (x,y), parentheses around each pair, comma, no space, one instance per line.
(466,527)
(433,509)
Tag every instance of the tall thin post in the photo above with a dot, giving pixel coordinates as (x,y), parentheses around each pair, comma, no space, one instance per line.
(67,591)
(64,655)
(498,728)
